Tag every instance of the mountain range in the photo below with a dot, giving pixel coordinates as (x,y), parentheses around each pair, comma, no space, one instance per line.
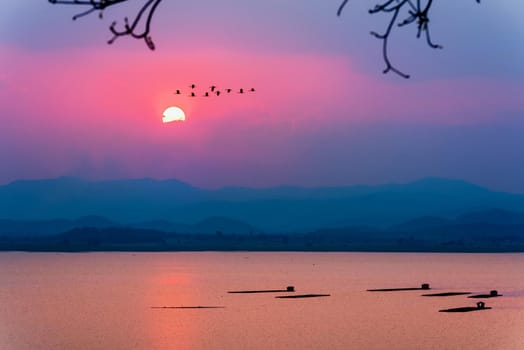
(472,232)
(61,204)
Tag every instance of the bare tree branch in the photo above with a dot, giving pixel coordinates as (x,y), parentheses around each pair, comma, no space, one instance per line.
(417,14)
(341,7)
(142,18)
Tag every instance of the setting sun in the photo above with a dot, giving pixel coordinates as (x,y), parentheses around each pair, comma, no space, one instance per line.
(173,114)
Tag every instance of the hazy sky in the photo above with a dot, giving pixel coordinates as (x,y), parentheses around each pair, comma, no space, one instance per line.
(323,113)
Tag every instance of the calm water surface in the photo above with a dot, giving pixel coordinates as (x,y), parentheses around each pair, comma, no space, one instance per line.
(103,301)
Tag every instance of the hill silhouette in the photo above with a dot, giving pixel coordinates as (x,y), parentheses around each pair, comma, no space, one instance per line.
(48,227)
(450,238)
(278,209)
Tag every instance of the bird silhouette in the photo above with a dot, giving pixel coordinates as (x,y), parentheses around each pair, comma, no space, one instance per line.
(192,94)
(252,89)
(177,92)
(241,91)
(228,90)
(218,93)
(213,87)
(192,86)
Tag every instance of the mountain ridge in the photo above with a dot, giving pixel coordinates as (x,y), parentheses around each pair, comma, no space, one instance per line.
(427,233)
(274,209)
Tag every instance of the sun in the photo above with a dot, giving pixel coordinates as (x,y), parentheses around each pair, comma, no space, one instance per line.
(173,114)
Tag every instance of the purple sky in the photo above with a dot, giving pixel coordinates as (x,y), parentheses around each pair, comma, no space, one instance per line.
(323,113)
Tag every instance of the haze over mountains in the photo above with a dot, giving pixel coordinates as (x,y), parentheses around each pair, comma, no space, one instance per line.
(171,205)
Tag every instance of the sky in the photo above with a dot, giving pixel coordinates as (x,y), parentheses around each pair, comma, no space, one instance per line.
(323,114)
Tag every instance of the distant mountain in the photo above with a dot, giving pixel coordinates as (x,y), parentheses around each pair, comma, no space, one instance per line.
(487,218)
(212,225)
(122,200)
(492,230)
(97,236)
(451,238)
(218,224)
(493,216)
(49,227)
(161,225)
(489,230)
(474,237)
(171,205)
(420,223)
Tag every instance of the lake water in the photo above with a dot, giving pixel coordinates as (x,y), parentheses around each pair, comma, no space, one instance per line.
(103,301)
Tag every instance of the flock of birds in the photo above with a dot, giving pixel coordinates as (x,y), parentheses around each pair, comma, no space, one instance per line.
(213,90)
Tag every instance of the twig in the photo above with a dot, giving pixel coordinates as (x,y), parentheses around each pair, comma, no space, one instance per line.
(147,11)
(417,14)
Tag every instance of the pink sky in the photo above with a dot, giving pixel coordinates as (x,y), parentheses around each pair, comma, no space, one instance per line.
(96,110)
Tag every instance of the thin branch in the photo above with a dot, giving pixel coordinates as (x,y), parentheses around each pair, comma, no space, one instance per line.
(418,14)
(341,7)
(384,37)
(143,18)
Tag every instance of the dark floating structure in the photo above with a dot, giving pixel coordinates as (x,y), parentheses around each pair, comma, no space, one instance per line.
(480,306)
(288,289)
(187,307)
(300,296)
(447,294)
(424,286)
(492,294)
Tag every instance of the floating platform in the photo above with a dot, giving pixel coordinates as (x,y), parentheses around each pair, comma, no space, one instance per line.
(300,296)
(424,286)
(446,294)
(187,307)
(492,294)
(287,290)
(480,306)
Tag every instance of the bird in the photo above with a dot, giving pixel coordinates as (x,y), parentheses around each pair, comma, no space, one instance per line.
(192,94)
(252,89)
(213,87)
(218,93)
(192,86)
(241,91)
(177,92)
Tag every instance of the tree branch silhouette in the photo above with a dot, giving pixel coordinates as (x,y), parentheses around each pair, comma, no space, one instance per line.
(130,28)
(139,27)
(417,13)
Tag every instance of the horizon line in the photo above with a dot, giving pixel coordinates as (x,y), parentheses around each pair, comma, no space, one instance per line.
(148,178)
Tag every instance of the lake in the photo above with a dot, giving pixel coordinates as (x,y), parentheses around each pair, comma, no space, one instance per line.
(90,301)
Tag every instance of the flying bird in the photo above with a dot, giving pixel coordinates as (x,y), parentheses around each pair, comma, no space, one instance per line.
(213,90)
